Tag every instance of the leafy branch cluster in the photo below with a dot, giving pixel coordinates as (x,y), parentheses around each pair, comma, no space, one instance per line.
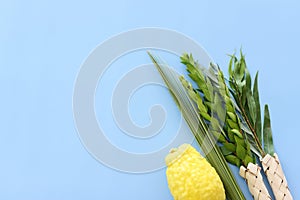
(247,99)
(217,108)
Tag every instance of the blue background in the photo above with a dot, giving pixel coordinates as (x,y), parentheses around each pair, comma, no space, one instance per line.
(43,44)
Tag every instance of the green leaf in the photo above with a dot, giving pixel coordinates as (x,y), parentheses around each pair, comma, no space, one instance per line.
(210,88)
(230,65)
(241,84)
(225,151)
(231,83)
(258,125)
(247,88)
(240,151)
(208,105)
(205,116)
(229,106)
(244,96)
(218,108)
(248,147)
(233,160)
(230,134)
(237,132)
(240,141)
(239,71)
(248,79)
(268,139)
(242,63)
(252,107)
(231,147)
(232,116)
(214,124)
(248,159)
(232,124)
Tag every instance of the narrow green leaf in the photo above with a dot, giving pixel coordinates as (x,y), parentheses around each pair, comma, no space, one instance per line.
(247,115)
(248,148)
(252,107)
(268,139)
(248,80)
(231,83)
(258,125)
(243,64)
(240,151)
(218,108)
(244,93)
(235,95)
(230,66)
(238,71)
(210,88)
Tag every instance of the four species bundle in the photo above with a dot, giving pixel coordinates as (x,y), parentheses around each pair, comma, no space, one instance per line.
(225,117)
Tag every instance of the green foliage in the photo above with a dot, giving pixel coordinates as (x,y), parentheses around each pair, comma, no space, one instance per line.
(268,139)
(224,122)
(247,99)
(257,125)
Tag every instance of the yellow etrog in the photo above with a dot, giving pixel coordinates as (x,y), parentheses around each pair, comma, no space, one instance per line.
(191,177)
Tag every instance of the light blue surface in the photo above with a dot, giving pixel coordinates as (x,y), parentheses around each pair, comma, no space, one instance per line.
(43,44)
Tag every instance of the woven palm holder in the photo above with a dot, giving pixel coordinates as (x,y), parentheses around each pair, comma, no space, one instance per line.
(276,178)
(255,182)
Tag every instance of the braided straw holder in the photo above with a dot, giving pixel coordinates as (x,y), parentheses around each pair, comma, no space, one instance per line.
(255,182)
(275,175)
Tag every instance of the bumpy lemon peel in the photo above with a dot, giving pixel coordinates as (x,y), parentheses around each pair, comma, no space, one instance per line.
(191,177)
